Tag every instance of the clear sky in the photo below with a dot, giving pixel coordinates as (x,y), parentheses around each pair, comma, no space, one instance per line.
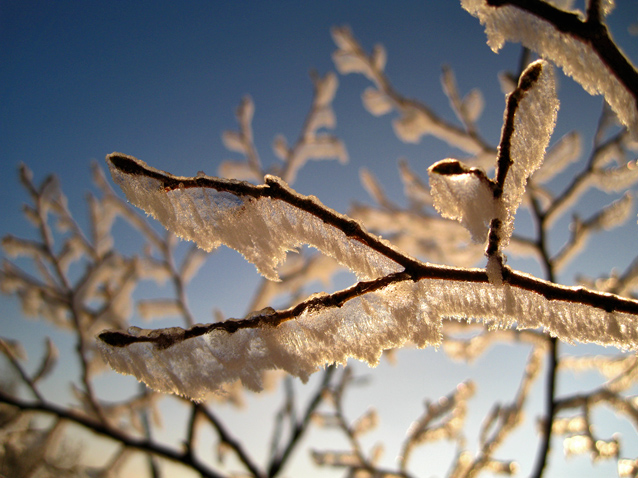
(161,80)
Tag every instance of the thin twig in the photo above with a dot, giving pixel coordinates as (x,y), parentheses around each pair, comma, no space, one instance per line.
(226,438)
(277,463)
(141,444)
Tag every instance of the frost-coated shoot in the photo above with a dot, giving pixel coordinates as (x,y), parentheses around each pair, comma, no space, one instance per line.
(213,211)
(584,52)
(468,195)
(398,300)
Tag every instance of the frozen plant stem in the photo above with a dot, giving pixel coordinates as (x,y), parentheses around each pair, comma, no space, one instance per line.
(547,422)
(62,282)
(105,430)
(465,139)
(504,161)
(413,269)
(591,31)
(293,335)
(299,429)
(395,300)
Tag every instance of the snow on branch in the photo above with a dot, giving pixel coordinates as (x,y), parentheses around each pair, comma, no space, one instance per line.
(398,300)
(480,203)
(261,222)
(582,47)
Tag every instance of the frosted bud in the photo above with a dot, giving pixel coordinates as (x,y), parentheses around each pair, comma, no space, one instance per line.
(473,105)
(246,110)
(566,151)
(627,468)
(379,57)
(577,445)
(367,422)
(26,175)
(464,194)
(607,448)
(372,186)
(376,102)
(335,458)
(606,7)
(326,89)
(280,147)
(347,62)
(15,247)
(615,214)
(616,179)
(233,141)
(412,125)
(322,117)
(342,36)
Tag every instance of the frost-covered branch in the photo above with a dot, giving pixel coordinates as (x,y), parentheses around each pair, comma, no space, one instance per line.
(286,219)
(312,142)
(417,119)
(102,295)
(479,203)
(499,424)
(10,351)
(582,47)
(300,426)
(397,300)
(356,460)
(442,420)
(226,439)
(107,431)
(579,430)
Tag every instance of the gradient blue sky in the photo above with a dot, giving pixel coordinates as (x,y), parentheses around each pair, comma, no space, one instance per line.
(161,80)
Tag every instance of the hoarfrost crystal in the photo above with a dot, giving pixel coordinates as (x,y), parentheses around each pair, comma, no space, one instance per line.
(262,229)
(362,328)
(577,58)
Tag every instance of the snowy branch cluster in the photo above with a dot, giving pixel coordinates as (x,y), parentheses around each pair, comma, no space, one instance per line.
(465,215)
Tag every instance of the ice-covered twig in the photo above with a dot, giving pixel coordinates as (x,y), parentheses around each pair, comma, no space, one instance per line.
(416,118)
(355,460)
(480,203)
(312,142)
(607,218)
(291,339)
(226,438)
(583,48)
(443,419)
(597,174)
(503,421)
(242,142)
(98,296)
(299,427)
(105,430)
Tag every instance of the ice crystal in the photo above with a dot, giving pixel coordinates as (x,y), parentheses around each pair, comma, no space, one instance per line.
(262,229)
(577,58)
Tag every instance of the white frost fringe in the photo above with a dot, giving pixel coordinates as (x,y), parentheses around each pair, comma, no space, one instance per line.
(577,59)
(362,328)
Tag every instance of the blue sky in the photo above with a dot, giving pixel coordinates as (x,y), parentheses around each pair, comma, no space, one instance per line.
(161,80)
